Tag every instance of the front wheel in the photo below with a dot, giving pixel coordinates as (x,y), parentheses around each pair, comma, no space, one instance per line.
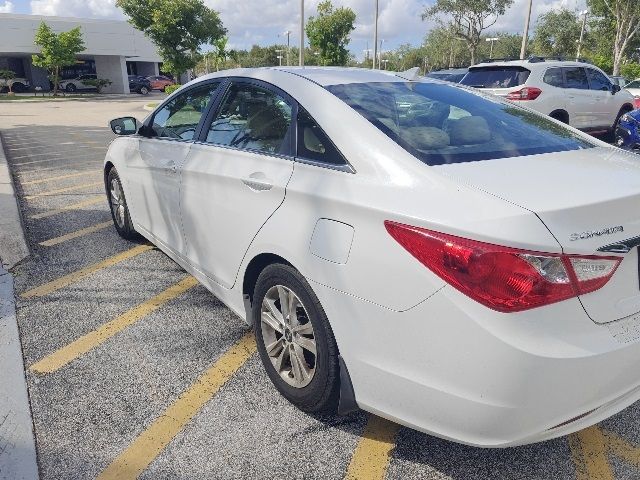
(295,341)
(144,90)
(119,208)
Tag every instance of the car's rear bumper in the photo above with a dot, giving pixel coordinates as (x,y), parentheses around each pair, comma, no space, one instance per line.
(455,369)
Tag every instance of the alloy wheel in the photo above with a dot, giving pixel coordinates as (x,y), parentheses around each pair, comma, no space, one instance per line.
(288,336)
(117,202)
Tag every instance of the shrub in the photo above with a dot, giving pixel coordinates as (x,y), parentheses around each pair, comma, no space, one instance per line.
(169,89)
(99,83)
(7,76)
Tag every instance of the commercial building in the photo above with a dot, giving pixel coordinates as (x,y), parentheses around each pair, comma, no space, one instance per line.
(114,49)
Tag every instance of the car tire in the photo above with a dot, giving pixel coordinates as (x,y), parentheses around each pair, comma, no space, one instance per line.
(70,87)
(144,90)
(320,392)
(119,208)
(610,136)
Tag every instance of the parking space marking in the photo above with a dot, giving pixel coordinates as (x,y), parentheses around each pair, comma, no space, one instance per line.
(51,154)
(59,159)
(150,443)
(623,449)
(589,454)
(74,206)
(62,190)
(77,234)
(371,457)
(59,177)
(78,275)
(75,164)
(91,340)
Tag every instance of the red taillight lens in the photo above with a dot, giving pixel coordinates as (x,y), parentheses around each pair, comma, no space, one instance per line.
(503,278)
(636,102)
(526,93)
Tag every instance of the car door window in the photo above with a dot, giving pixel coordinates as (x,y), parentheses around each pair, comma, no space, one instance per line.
(553,77)
(576,77)
(180,117)
(597,80)
(252,118)
(313,143)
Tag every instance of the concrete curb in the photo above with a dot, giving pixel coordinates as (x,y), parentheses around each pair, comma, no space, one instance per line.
(17,443)
(13,245)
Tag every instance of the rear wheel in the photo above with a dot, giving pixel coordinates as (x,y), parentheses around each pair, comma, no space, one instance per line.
(561,116)
(70,88)
(119,208)
(295,340)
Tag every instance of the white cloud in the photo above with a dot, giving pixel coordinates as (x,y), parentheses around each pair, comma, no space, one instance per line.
(6,7)
(77,8)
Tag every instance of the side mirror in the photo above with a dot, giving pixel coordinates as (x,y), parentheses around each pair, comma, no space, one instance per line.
(125,126)
(615,88)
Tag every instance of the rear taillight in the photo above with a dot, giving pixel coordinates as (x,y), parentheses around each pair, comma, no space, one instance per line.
(503,278)
(526,93)
(636,102)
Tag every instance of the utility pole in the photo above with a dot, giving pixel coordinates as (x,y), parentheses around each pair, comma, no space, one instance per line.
(375,39)
(279,57)
(525,37)
(288,34)
(301,56)
(584,24)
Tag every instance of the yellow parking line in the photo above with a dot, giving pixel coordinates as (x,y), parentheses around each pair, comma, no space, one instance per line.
(73,206)
(60,177)
(77,234)
(78,275)
(620,447)
(63,190)
(372,455)
(589,453)
(61,158)
(91,340)
(150,443)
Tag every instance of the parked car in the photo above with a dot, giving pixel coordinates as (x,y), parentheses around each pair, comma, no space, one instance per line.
(77,83)
(139,84)
(576,93)
(453,75)
(160,82)
(18,84)
(466,267)
(633,88)
(619,80)
(628,130)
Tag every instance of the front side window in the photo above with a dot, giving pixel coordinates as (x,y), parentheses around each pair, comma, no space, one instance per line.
(443,124)
(180,117)
(576,77)
(314,144)
(597,80)
(553,77)
(496,77)
(252,118)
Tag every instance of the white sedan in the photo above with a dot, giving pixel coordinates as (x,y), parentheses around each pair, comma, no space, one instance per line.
(444,259)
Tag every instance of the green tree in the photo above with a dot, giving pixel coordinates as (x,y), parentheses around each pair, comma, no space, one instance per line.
(7,75)
(57,50)
(557,32)
(179,28)
(329,32)
(467,19)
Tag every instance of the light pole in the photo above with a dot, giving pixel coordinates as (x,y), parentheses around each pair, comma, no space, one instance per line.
(288,34)
(385,61)
(584,24)
(301,56)
(380,54)
(525,37)
(279,57)
(492,39)
(375,39)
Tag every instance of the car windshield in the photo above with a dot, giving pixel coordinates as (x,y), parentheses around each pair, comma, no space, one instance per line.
(634,84)
(442,124)
(496,77)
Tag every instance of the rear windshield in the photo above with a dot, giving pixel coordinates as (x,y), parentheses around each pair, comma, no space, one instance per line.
(496,77)
(442,124)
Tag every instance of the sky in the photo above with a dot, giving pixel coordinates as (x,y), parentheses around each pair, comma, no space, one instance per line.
(264,22)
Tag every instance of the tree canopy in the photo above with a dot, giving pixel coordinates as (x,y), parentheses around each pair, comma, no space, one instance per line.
(556,33)
(179,28)
(329,32)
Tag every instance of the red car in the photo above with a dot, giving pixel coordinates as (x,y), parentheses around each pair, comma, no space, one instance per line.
(159,82)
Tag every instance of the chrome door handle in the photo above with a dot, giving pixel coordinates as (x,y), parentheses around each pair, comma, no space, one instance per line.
(257,185)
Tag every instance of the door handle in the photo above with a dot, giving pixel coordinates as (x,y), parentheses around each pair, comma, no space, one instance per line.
(258,182)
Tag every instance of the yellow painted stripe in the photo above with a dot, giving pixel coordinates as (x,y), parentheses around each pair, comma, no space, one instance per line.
(372,455)
(63,190)
(150,443)
(589,454)
(623,449)
(91,340)
(60,177)
(77,234)
(74,206)
(78,275)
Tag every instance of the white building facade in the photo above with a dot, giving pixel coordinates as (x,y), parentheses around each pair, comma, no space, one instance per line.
(114,49)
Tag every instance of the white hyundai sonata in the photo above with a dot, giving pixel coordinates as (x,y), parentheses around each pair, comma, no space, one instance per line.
(447,260)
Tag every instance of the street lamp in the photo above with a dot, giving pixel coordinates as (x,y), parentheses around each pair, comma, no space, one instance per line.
(492,39)
(584,13)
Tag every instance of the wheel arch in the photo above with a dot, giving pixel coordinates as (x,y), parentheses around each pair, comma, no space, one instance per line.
(560,114)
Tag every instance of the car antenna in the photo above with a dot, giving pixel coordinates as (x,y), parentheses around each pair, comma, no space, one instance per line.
(411,74)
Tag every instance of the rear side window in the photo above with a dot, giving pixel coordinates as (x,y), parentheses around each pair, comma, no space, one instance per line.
(314,144)
(597,80)
(554,77)
(496,77)
(443,124)
(576,77)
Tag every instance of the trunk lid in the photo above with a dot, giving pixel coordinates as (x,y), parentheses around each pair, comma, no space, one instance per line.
(588,199)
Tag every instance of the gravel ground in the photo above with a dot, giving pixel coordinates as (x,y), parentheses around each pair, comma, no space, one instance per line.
(90,410)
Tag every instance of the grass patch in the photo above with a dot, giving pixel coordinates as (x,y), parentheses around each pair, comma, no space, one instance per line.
(152,105)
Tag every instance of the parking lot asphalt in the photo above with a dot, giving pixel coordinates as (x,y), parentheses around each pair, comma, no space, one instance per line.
(134,370)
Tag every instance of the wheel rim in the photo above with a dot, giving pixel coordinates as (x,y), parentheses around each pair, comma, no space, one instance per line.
(117,203)
(288,336)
